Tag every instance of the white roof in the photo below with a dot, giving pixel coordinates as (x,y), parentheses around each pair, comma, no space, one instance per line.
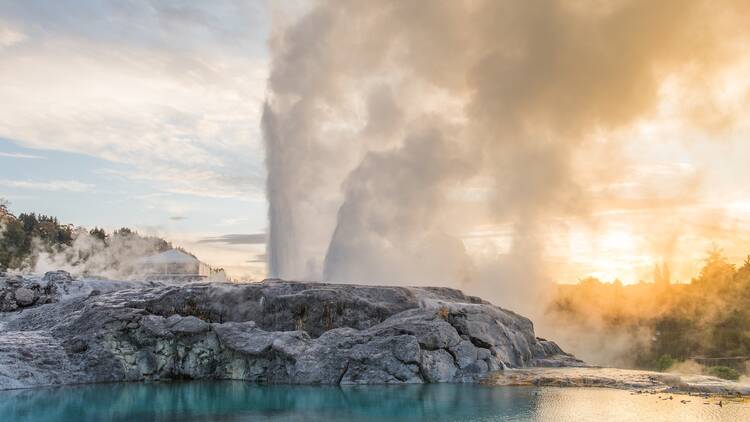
(172,256)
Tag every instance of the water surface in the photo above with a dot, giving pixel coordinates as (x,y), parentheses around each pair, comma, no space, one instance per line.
(239,401)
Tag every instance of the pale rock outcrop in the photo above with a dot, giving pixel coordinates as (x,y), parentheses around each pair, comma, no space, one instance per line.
(275,331)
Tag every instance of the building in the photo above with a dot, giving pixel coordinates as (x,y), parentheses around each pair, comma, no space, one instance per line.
(174,264)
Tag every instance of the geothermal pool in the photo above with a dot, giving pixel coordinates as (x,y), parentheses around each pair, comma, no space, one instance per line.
(239,401)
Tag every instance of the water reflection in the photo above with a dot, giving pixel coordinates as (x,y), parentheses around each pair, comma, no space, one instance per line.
(237,401)
(242,401)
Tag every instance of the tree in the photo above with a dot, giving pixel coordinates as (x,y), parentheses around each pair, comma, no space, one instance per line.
(14,246)
(743,273)
(674,336)
(65,234)
(730,334)
(717,273)
(123,232)
(4,204)
(29,221)
(98,233)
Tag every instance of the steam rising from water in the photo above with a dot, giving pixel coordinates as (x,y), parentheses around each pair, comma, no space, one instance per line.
(394,128)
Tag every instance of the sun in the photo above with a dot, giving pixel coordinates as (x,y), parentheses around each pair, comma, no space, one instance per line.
(614,253)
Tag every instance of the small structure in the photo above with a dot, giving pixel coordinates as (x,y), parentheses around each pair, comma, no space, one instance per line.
(174,264)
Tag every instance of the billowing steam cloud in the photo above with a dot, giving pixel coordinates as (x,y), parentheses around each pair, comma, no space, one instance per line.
(393,128)
(117,258)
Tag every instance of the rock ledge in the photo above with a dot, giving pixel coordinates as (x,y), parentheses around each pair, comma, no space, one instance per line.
(275,331)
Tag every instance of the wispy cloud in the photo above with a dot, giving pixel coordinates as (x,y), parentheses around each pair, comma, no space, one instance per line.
(49,185)
(232,221)
(10,36)
(260,258)
(20,155)
(181,114)
(177,218)
(237,239)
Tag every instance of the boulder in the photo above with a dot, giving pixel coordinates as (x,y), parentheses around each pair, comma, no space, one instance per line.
(24,296)
(17,292)
(189,325)
(438,366)
(465,354)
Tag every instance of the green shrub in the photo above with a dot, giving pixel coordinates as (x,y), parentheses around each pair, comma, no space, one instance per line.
(723,372)
(664,362)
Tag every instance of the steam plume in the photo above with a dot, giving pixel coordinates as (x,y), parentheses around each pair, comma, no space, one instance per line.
(393,128)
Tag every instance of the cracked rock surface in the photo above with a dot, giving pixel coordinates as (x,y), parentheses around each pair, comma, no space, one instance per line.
(275,331)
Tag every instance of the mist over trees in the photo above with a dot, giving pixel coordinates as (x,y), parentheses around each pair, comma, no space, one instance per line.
(29,237)
(654,325)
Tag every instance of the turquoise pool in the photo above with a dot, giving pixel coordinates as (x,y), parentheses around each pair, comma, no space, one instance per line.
(239,401)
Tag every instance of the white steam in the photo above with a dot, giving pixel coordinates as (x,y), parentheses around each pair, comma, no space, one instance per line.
(393,128)
(90,256)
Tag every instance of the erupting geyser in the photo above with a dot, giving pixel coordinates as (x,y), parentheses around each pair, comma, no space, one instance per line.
(393,128)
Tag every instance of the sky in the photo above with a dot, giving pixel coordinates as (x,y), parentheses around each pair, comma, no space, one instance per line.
(141,114)
(147,114)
